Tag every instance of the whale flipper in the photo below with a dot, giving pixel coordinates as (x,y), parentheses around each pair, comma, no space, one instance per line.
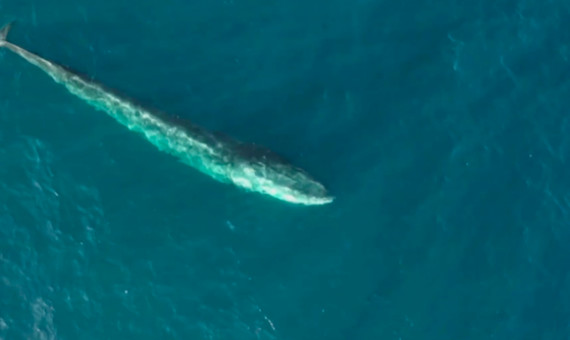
(4,32)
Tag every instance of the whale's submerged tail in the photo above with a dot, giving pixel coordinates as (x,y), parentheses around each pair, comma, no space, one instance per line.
(4,33)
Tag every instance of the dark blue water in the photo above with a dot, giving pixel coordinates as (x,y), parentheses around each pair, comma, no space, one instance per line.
(441,127)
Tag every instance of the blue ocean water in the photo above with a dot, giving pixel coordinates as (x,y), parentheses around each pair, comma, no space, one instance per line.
(441,128)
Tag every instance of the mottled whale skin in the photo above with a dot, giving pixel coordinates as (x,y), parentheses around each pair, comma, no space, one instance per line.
(225,160)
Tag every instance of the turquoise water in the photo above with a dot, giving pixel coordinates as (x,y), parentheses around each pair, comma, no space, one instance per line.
(440,128)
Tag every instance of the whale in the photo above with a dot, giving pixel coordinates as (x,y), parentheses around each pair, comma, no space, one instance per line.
(247,166)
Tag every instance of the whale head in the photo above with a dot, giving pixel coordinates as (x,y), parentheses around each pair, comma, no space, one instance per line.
(292,184)
(271,175)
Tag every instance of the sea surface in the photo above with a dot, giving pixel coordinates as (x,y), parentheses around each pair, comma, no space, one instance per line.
(442,129)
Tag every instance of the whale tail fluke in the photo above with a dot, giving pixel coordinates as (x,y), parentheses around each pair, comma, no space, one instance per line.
(4,33)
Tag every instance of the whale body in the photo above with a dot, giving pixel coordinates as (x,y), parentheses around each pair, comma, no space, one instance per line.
(225,160)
